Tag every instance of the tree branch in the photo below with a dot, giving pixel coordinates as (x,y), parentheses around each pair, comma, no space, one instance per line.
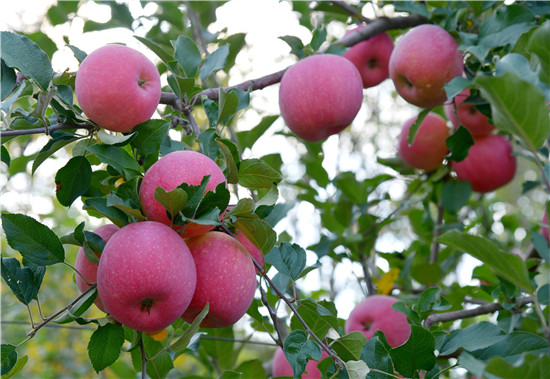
(46,130)
(467,313)
(352,11)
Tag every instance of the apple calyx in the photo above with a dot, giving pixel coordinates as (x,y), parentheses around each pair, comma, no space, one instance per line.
(146,305)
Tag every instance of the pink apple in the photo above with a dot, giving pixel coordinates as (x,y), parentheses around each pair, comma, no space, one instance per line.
(117,87)
(489,164)
(281,367)
(429,147)
(146,276)
(371,57)
(169,172)
(544,228)
(320,96)
(87,268)
(467,115)
(376,313)
(423,60)
(226,279)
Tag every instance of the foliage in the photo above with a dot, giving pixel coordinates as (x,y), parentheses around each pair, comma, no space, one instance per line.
(438,220)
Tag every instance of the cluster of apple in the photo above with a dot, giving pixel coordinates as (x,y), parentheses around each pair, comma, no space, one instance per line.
(150,274)
(321,95)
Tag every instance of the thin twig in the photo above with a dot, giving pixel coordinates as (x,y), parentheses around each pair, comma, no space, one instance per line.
(143,359)
(48,130)
(352,11)
(434,250)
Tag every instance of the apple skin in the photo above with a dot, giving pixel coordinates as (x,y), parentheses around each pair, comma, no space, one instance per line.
(423,60)
(544,228)
(146,276)
(489,164)
(87,268)
(117,87)
(429,147)
(466,114)
(320,96)
(226,279)
(281,367)
(169,172)
(376,313)
(371,57)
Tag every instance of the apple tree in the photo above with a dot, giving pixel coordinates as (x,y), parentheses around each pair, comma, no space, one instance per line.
(375,205)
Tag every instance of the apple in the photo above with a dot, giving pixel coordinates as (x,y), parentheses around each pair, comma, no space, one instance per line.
(281,367)
(87,268)
(460,113)
(489,164)
(169,172)
(429,147)
(371,57)
(376,313)
(544,228)
(117,87)
(226,279)
(320,96)
(146,276)
(423,60)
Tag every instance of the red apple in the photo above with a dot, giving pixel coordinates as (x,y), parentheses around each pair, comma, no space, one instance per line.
(376,313)
(489,164)
(429,147)
(169,172)
(117,87)
(281,367)
(467,115)
(146,276)
(423,60)
(320,96)
(371,57)
(226,279)
(87,268)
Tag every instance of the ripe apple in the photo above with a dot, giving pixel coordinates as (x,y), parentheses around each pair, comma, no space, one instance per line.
(281,367)
(423,60)
(371,57)
(489,164)
(376,313)
(466,114)
(169,172)
(87,268)
(544,228)
(146,276)
(429,148)
(226,279)
(320,96)
(117,87)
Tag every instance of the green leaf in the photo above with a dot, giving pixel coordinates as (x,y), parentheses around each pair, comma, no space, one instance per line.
(157,368)
(517,106)
(317,317)
(247,369)
(255,173)
(8,80)
(22,53)
(214,62)
(150,135)
(114,139)
(249,137)
(35,241)
(513,345)
(21,362)
(415,354)
(529,366)
(319,36)
(357,369)
(227,105)
(187,55)
(72,180)
(538,44)
(78,54)
(455,194)
(78,309)
(474,337)
(459,144)
(210,148)
(165,56)
(104,346)
(455,86)
(349,346)
(59,140)
(221,346)
(99,205)
(231,170)
(296,45)
(118,158)
(9,358)
(376,356)
(5,156)
(416,125)
(288,259)
(509,266)
(182,342)
(298,349)
(23,281)
(260,233)
(174,201)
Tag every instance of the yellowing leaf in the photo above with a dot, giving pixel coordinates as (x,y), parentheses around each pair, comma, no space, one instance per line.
(385,283)
(159,335)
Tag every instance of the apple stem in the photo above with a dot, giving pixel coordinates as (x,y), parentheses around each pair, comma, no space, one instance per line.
(146,305)
(143,359)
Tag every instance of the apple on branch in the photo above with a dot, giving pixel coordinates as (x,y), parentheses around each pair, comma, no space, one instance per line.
(281,367)
(117,87)
(423,60)
(320,96)
(146,276)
